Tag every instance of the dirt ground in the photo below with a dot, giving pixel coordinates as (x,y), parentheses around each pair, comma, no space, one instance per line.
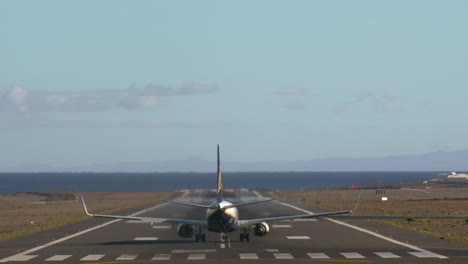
(26,213)
(402,200)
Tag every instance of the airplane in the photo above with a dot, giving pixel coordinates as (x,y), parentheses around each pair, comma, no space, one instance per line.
(221,217)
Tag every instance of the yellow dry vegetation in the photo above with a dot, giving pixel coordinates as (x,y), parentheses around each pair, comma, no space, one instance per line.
(26,213)
(403,200)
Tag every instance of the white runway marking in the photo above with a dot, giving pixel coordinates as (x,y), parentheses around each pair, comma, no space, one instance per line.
(421,252)
(283,256)
(25,253)
(297,237)
(352,255)
(196,257)
(58,258)
(271,250)
(20,257)
(188,251)
(248,256)
(162,227)
(127,257)
(161,257)
(92,257)
(386,255)
(146,238)
(317,256)
(306,220)
(427,254)
(281,226)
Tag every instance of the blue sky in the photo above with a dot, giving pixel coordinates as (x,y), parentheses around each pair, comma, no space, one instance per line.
(105,81)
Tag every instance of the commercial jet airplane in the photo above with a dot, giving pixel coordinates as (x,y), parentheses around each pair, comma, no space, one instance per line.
(221,217)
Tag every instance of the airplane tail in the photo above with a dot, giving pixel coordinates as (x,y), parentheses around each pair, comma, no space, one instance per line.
(219,191)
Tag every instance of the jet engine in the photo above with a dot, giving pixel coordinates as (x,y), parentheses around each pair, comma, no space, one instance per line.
(184,230)
(261,229)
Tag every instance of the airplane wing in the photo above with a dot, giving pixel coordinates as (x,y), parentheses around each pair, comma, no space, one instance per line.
(198,223)
(250,222)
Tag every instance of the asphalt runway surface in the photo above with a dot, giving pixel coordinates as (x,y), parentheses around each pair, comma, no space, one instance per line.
(328,240)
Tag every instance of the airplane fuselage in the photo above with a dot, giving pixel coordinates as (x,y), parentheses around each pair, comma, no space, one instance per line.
(222,220)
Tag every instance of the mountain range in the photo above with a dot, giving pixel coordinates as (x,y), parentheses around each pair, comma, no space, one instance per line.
(434,161)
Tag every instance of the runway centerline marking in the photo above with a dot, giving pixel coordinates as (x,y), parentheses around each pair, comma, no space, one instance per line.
(317,256)
(21,257)
(281,226)
(422,252)
(297,237)
(196,257)
(24,253)
(188,251)
(386,255)
(58,258)
(145,238)
(352,255)
(427,254)
(162,227)
(161,257)
(127,257)
(283,256)
(248,256)
(94,257)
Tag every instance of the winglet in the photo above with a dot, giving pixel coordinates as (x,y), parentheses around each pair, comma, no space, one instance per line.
(219,190)
(84,205)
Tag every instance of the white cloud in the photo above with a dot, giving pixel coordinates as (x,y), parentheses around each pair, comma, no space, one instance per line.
(140,102)
(291,91)
(295,105)
(167,90)
(16,100)
(21,100)
(380,104)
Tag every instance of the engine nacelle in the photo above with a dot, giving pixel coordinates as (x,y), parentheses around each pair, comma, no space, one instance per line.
(261,229)
(184,230)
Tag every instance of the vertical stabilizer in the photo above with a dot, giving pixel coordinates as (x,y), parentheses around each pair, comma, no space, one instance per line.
(219,191)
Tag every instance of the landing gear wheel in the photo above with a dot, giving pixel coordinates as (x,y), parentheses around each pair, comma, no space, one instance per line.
(245,236)
(200,237)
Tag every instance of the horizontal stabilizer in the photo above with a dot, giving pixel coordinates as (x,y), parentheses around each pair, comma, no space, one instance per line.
(193,205)
(249,203)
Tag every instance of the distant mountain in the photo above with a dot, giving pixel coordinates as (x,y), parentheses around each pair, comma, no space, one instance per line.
(435,161)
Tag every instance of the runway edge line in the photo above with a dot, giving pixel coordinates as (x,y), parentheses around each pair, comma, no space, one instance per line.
(78,234)
(363,230)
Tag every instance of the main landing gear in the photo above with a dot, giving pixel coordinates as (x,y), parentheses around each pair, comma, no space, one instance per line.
(200,237)
(245,235)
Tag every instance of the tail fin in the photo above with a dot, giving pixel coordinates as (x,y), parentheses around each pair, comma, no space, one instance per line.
(219,191)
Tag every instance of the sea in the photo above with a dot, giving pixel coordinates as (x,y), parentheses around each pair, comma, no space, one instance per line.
(87,182)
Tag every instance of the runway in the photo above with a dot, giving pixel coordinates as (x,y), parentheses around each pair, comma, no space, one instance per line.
(305,241)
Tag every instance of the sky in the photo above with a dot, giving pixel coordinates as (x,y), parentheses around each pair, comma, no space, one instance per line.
(85,82)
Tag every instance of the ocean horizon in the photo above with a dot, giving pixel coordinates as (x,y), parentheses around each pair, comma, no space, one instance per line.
(35,182)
